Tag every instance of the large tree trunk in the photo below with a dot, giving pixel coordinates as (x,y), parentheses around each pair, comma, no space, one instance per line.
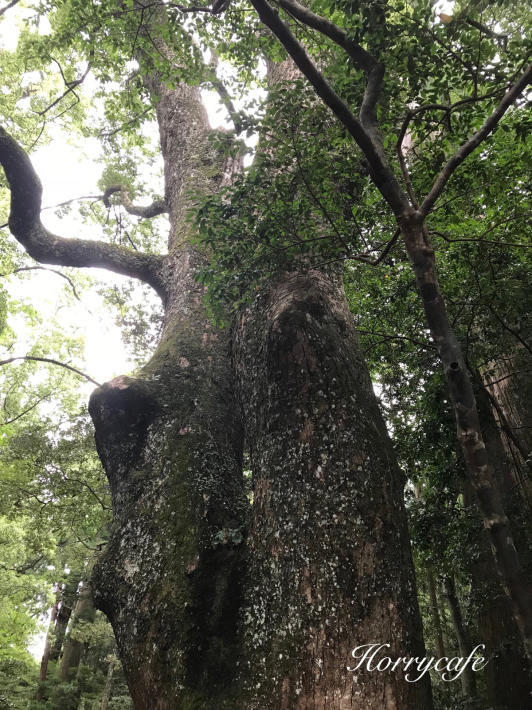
(169,578)
(507,675)
(170,442)
(329,553)
(509,387)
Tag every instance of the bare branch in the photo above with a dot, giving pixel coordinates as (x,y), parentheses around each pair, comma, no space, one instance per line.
(375,262)
(25,411)
(52,271)
(24,568)
(81,482)
(156,208)
(358,54)
(215,8)
(388,336)
(52,362)
(47,248)
(470,145)
(71,85)
(224,95)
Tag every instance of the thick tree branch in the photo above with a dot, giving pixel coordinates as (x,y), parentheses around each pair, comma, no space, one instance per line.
(52,362)
(470,145)
(361,58)
(47,248)
(8,6)
(379,169)
(358,54)
(156,208)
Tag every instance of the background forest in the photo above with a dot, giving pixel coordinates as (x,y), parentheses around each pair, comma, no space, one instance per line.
(74,81)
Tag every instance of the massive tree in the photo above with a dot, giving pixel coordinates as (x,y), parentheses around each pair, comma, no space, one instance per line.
(216,602)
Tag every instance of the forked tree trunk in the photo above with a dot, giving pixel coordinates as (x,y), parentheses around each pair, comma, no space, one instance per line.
(329,557)
(73,647)
(193,630)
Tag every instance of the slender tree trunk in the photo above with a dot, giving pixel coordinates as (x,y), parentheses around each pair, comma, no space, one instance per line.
(68,595)
(107,689)
(46,655)
(462,636)
(435,613)
(72,647)
(469,431)
(329,554)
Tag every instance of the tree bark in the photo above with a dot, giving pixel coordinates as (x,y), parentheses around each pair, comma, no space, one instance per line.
(329,558)
(107,689)
(467,678)
(72,647)
(171,444)
(507,675)
(435,613)
(46,655)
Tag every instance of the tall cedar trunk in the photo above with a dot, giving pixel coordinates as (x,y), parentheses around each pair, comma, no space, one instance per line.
(509,385)
(508,677)
(435,613)
(469,432)
(46,654)
(68,595)
(364,129)
(329,557)
(72,647)
(107,689)
(467,678)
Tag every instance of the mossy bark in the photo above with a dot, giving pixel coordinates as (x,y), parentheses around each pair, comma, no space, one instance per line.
(329,554)
(330,565)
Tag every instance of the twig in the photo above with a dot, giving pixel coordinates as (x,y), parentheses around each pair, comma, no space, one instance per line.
(52,362)
(470,145)
(52,271)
